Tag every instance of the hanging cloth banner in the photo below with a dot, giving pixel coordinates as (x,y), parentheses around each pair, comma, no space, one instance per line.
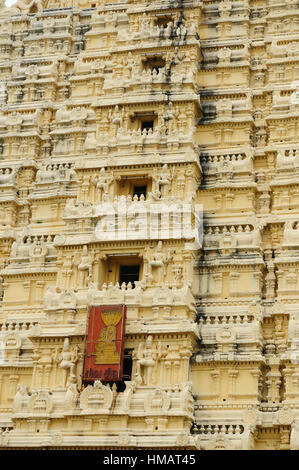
(104,353)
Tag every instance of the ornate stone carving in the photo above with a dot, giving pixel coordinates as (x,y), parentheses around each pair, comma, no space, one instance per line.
(40,402)
(220,443)
(147,356)
(285,416)
(56,439)
(67,362)
(96,398)
(21,397)
(128,394)
(156,401)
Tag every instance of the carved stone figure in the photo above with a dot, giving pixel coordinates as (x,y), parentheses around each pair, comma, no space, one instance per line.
(147,357)
(116,119)
(157,401)
(102,183)
(68,361)
(157,264)
(90,143)
(21,396)
(85,267)
(26,5)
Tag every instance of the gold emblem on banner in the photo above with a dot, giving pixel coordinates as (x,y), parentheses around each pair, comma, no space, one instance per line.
(106,352)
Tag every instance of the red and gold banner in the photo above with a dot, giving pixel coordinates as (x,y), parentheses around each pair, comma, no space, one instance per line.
(105,343)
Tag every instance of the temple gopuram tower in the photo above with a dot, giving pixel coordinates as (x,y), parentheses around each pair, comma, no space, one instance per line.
(149,225)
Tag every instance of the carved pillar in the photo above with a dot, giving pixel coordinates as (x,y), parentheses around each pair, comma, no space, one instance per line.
(166,313)
(287,375)
(54,211)
(155,311)
(257,279)
(232,375)
(31,425)
(176,372)
(12,387)
(280,281)
(217,278)
(44,424)
(218,201)
(256,374)
(270,283)
(47,375)
(295,385)
(229,201)
(35,358)
(233,278)
(39,372)
(284,438)
(26,286)
(39,291)
(149,424)
(274,382)
(215,374)
(167,377)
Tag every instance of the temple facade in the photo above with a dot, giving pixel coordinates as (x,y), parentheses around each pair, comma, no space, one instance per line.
(149,224)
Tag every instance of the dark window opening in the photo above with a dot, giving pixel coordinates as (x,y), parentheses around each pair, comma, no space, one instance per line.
(128,364)
(155,63)
(163,21)
(147,125)
(138,190)
(129,274)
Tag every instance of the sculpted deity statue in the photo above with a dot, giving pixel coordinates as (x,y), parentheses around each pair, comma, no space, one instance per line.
(22,392)
(38,252)
(224,9)
(224,55)
(170,118)
(16,248)
(145,24)
(116,119)
(14,119)
(157,262)
(224,108)
(90,142)
(51,297)
(132,66)
(163,180)
(147,357)
(102,183)
(67,270)
(62,114)
(8,176)
(85,264)
(26,5)
(67,362)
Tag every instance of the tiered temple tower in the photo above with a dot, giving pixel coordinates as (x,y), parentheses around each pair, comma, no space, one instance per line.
(149,161)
